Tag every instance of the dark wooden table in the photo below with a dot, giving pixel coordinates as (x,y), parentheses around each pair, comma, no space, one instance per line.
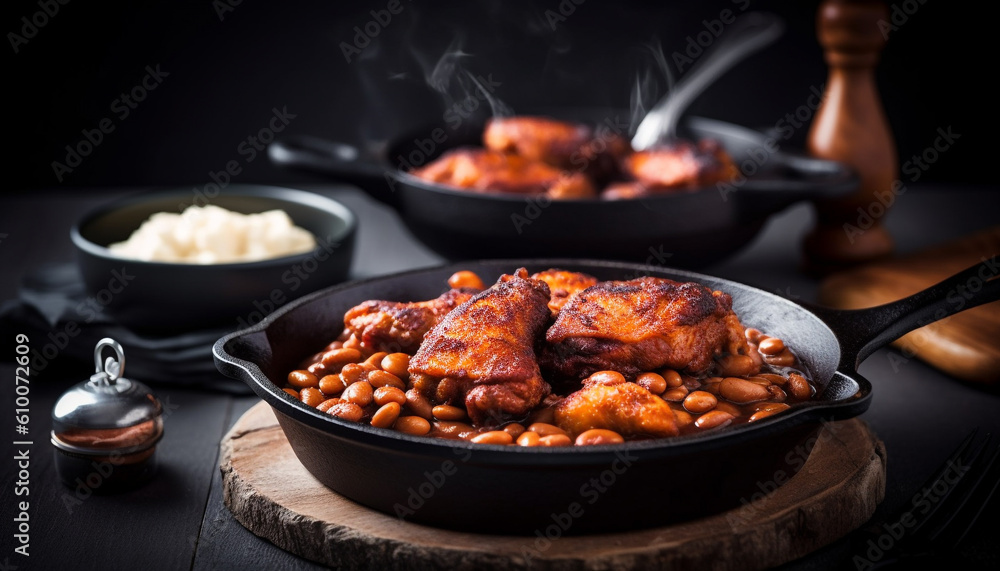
(178,520)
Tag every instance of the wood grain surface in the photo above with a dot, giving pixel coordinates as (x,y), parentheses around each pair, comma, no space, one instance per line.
(272,495)
(965,345)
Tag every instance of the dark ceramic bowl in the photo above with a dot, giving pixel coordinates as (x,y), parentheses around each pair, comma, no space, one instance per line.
(172,297)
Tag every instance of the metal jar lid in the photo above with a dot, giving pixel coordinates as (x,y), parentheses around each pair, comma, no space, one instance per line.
(107,412)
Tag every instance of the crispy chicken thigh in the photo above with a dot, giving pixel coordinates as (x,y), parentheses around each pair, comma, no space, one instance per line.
(642,325)
(400,327)
(626,408)
(484,170)
(487,345)
(563,285)
(670,167)
(568,146)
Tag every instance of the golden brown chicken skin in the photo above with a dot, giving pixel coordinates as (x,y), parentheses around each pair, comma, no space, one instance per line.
(563,285)
(568,146)
(626,408)
(484,170)
(642,325)
(486,347)
(393,326)
(680,165)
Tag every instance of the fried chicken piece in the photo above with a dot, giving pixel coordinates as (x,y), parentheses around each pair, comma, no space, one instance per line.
(626,408)
(563,285)
(483,170)
(564,145)
(642,325)
(394,326)
(679,165)
(486,347)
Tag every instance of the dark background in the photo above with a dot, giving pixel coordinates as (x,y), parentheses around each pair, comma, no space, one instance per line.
(226,75)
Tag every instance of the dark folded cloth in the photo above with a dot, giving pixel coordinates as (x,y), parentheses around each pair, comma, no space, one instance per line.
(63,327)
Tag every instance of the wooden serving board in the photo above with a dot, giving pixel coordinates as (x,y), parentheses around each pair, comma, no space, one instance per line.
(965,345)
(272,495)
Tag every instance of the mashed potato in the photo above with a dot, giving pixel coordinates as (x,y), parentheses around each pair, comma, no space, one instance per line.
(213,235)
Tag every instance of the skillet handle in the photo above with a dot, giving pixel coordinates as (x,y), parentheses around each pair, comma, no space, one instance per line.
(790,178)
(863,331)
(343,161)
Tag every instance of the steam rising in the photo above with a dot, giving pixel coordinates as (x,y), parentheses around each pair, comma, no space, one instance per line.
(647,89)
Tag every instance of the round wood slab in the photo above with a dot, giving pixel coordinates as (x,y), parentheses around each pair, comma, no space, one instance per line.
(272,495)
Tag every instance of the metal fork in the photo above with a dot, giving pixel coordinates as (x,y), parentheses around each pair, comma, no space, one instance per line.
(934,522)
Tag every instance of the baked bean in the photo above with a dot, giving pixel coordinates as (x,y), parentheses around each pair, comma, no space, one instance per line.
(713,419)
(528,439)
(514,429)
(352,373)
(493,437)
(465,278)
(386,415)
(762,414)
(777,393)
(360,394)
(379,378)
(413,425)
(753,335)
(775,379)
(673,378)
(448,412)
(311,396)
(545,429)
(691,383)
(397,364)
(386,395)
(353,343)
(340,357)
(756,357)
(453,429)
(783,359)
(799,386)
(729,407)
(555,440)
(347,411)
(736,366)
(605,378)
(302,379)
(418,404)
(294,393)
(596,436)
(652,382)
(325,405)
(700,401)
(332,385)
(676,394)
(775,406)
(333,345)
(742,391)
(759,381)
(712,388)
(375,359)
(771,346)
(317,369)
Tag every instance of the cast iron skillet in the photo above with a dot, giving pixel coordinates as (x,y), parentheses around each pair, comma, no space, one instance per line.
(513,490)
(696,228)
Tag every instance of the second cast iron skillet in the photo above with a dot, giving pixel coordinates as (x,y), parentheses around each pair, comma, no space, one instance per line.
(695,227)
(515,490)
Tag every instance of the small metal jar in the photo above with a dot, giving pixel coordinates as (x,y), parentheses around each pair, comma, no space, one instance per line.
(105,430)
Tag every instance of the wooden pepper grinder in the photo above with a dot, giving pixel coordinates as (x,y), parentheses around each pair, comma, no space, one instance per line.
(851,127)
